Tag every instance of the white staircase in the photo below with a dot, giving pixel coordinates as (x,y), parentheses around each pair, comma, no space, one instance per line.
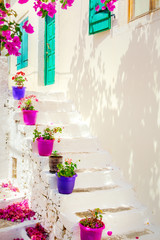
(99,183)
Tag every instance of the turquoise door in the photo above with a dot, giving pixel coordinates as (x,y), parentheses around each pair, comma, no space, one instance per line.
(49,51)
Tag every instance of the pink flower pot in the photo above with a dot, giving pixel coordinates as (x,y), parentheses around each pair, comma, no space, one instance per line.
(45,147)
(29,117)
(90,233)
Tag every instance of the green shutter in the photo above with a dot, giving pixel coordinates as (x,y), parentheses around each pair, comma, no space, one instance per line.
(98,21)
(22,60)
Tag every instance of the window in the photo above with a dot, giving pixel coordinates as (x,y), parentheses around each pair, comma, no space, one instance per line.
(139,8)
(22,60)
(98,21)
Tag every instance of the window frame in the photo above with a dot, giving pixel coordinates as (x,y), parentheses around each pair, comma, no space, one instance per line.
(131,16)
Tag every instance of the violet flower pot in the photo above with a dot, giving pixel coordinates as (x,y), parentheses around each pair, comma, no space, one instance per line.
(87,233)
(53,161)
(66,184)
(45,147)
(18,93)
(29,117)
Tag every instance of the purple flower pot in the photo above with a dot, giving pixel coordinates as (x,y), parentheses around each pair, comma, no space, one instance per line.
(45,147)
(18,93)
(66,184)
(90,233)
(29,117)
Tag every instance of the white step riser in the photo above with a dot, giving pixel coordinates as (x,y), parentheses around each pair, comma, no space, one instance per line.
(70,145)
(88,160)
(50,106)
(120,223)
(56,96)
(7,202)
(72,130)
(16,231)
(88,180)
(52,118)
(101,199)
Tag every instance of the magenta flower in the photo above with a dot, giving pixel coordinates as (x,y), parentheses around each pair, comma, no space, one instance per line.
(111,5)
(22,1)
(103,1)
(6,34)
(28,28)
(39,14)
(97,8)
(103,8)
(109,233)
(8,5)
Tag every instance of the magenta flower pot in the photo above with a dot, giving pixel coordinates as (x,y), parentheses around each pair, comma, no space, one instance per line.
(18,93)
(45,147)
(29,117)
(90,233)
(66,184)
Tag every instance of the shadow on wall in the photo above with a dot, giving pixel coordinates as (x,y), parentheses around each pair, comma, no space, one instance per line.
(123,108)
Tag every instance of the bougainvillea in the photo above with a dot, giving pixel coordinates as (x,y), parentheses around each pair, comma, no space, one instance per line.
(10,186)
(110,4)
(11,34)
(17,212)
(26,103)
(37,232)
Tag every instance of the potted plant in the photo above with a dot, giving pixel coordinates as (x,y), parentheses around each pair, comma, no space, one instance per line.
(18,91)
(54,159)
(66,176)
(91,227)
(46,140)
(29,113)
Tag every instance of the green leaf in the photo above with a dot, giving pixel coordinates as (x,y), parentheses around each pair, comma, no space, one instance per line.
(4,28)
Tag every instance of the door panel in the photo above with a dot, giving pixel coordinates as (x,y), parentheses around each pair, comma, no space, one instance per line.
(49,51)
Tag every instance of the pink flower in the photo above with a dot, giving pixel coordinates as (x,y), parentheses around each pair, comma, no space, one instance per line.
(109,233)
(137,237)
(40,14)
(97,8)
(22,1)
(103,7)
(68,160)
(103,1)
(6,34)
(111,5)
(28,28)
(8,5)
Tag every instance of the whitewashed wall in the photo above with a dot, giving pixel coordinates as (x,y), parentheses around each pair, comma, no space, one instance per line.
(3,118)
(113,78)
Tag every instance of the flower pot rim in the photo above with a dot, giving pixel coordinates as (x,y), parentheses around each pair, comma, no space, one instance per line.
(59,156)
(43,140)
(75,175)
(18,87)
(24,110)
(92,229)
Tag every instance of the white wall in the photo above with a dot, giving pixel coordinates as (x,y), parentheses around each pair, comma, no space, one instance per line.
(4,165)
(113,78)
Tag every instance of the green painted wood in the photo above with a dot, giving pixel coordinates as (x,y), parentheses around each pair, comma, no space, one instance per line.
(98,21)
(22,60)
(49,51)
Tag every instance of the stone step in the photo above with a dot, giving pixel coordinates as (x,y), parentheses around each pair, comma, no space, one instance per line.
(17,231)
(69,130)
(48,105)
(122,223)
(52,117)
(90,160)
(45,96)
(111,198)
(16,197)
(88,144)
(90,180)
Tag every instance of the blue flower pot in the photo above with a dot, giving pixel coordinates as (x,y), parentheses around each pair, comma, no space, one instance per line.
(18,93)
(66,184)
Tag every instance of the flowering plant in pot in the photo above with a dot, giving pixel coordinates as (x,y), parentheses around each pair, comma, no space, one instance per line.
(29,113)
(91,227)
(66,176)
(54,160)
(45,140)
(18,91)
